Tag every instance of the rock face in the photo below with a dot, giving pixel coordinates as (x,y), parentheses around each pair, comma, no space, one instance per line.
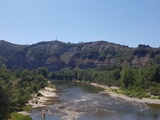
(56,55)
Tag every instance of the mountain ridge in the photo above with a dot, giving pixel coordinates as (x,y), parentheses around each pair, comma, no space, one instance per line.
(56,55)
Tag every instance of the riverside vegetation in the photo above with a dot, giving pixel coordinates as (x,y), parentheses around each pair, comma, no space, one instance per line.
(16,87)
(26,69)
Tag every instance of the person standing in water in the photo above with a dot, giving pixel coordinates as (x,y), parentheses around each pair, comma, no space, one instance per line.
(43,114)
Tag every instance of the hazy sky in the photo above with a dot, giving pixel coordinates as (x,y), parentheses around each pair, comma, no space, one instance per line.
(127,22)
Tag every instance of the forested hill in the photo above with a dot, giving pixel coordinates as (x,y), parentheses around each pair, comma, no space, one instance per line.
(56,55)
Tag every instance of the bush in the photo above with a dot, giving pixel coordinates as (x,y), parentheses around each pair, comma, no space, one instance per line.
(51,85)
(39,94)
(16,116)
(27,108)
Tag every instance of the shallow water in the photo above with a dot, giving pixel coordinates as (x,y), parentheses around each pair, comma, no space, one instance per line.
(84,102)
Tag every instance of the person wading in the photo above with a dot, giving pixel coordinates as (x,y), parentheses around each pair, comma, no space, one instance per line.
(43,114)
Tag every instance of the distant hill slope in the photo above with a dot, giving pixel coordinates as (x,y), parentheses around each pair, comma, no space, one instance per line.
(7,50)
(56,55)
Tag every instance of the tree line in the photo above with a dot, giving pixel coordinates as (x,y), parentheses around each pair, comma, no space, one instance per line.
(134,81)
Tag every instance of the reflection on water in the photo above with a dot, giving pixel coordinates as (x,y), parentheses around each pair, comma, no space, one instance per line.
(83,102)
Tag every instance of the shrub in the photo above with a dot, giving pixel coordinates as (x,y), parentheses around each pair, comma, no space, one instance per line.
(16,116)
(27,108)
(39,94)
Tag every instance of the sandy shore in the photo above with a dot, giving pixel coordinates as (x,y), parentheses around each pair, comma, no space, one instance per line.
(40,101)
(24,113)
(124,97)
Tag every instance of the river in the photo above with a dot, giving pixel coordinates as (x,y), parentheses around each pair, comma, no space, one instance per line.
(84,102)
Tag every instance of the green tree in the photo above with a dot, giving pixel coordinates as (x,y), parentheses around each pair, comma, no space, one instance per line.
(43,71)
(42,81)
(156,73)
(126,76)
(6,101)
(24,73)
(116,74)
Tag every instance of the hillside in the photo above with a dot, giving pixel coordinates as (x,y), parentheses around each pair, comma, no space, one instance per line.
(8,50)
(56,55)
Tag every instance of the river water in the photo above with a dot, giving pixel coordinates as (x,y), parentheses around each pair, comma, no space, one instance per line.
(84,102)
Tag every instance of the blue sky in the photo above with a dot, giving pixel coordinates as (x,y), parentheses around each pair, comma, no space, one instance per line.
(127,22)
